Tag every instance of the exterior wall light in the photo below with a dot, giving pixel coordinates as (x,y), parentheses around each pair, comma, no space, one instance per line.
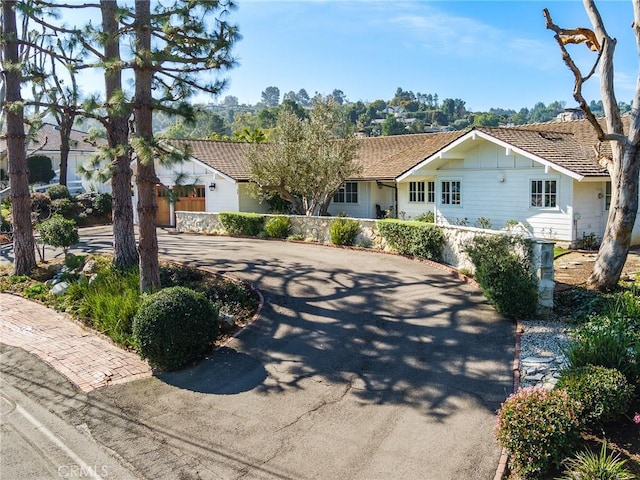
(212,186)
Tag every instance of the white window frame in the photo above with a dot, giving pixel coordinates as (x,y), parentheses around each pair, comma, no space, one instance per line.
(416,192)
(453,198)
(607,196)
(347,193)
(431,192)
(543,193)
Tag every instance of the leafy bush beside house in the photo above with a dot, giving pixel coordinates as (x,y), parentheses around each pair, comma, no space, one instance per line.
(40,169)
(538,428)
(278,227)
(419,239)
(344,231)
(249,224)
(58,232)
(603,393)
(503,270)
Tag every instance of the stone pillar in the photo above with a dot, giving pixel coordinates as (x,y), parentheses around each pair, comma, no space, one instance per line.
(542,263)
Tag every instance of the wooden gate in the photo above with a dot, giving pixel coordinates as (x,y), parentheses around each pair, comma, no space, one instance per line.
(192,200)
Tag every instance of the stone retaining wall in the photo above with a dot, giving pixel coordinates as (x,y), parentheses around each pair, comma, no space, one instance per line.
(317,229)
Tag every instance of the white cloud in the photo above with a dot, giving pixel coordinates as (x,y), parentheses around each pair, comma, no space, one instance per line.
(465,37)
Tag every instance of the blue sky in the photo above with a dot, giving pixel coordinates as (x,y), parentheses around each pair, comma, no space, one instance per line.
(488,53)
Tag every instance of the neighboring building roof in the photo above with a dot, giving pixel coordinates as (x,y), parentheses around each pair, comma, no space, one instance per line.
(47,139)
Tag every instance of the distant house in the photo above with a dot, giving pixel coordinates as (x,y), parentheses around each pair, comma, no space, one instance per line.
(47,143)
(545,176)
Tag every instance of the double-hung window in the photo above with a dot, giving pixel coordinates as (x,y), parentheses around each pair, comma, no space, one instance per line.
(416,192)
(431,192)
(607,196)
(451,192)
(544,193)
(348,193)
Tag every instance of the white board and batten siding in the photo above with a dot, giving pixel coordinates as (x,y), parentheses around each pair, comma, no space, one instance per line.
(497,186)
(363,208)
(409,210)
(247,202)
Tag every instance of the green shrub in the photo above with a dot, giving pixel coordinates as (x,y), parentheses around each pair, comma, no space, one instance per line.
(503,270)
(40,169)
(344,231)
(62,206)
(278,227)
(249,224)
(418,239)
(58,232)
(102,203)
(588,465)
(611,342)
(428,217)
(109,302)
(174,327)
(538,428)
(483,222)
(41,205)
(604,393)
(58,191)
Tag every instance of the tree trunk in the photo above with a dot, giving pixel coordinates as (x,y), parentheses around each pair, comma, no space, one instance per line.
(125,255)
(66,125)
(146,179)
(23,241)
(614,248)
(624,166)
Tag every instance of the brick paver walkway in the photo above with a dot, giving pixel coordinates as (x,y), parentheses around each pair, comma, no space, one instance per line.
(88,360)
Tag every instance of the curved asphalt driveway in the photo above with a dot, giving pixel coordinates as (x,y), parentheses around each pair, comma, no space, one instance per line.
(361,366)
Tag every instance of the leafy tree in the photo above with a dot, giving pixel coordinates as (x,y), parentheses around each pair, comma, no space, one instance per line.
(486,120)
(306,161)
(230,101)
(303,98)
(392,126)
(271,96)
(338,96)
(624,163)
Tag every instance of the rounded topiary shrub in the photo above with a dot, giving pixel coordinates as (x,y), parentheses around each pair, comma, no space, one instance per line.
(278,227)
(175,327)
(58,191)
(538,428)
(603,393)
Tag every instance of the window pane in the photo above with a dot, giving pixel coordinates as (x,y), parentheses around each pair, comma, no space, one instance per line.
(431,192)
(446,193)
(550,193)
(536,193)
(607,196)
(455,193)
